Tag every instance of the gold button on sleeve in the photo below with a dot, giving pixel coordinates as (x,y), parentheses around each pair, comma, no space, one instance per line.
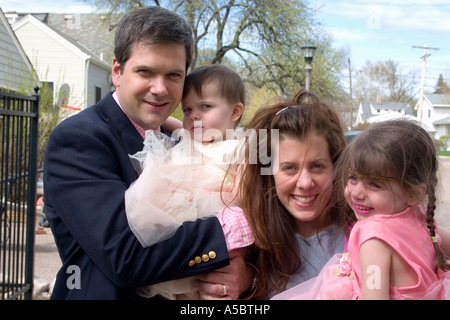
(212,254)
(191,263)
(205,257)
(197,259)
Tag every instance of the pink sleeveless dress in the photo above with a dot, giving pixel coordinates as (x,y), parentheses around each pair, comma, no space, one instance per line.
(406,232)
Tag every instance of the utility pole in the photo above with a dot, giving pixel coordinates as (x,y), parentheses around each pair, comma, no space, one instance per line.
(425,55)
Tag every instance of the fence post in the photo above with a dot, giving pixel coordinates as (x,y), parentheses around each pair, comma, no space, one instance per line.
(19,116)
(31,207)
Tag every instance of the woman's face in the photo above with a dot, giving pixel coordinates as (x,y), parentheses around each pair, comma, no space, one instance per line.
(303,180)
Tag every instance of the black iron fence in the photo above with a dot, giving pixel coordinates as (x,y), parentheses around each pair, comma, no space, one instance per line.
(19,116)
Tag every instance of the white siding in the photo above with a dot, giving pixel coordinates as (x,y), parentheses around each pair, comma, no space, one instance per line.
(54,62)
(358,115)
(97,77)
(441,130)
(427,110)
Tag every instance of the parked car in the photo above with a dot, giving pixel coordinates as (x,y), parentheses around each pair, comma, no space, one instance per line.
(349,135)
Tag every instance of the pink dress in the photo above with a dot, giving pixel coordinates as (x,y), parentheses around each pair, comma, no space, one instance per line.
(406,232)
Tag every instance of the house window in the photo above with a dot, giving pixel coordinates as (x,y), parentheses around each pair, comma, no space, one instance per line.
(98,94)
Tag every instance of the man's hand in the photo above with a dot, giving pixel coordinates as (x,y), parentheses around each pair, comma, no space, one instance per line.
(226,283)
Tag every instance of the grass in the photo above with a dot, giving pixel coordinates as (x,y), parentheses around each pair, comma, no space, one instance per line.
(444,153)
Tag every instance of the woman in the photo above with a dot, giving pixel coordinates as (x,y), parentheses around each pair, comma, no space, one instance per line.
(296,228)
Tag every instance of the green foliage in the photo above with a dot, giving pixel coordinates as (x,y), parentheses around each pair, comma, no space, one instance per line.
(444,141)
(444,153)
(257,97)
(178,114)
(49,117)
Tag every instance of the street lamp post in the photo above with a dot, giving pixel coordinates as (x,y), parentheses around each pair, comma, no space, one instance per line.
(308,53)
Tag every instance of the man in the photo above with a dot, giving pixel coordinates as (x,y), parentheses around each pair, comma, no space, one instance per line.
(87,170)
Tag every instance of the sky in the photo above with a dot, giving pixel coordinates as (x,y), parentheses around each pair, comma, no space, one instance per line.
(386,29)
(368,29)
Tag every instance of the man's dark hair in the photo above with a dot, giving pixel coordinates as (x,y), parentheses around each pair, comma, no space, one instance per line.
(151,25)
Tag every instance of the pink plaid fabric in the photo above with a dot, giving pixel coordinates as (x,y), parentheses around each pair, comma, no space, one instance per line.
(236,229)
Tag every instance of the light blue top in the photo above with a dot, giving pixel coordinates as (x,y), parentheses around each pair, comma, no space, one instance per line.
(315,252)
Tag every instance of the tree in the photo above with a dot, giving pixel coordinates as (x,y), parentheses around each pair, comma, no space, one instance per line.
(50,114)
(444,141)
(261,38)
(385,80)
(441,85)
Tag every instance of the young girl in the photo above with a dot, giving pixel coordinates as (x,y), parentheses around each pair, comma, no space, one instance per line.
(387,173)
(184,181)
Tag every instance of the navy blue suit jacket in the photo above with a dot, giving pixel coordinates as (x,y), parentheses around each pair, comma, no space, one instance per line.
(86,172)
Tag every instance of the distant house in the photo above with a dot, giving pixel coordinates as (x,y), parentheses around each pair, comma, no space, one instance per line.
(90,29)
(371,112)
(63,63)
(16,70)
(436,112)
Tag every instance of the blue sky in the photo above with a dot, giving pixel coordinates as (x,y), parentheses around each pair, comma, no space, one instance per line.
(369,29)
(383,29)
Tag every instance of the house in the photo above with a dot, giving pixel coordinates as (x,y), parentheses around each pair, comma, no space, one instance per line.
(63,63)
(436,112)
(91,29)
(16,70)
(373,112)
(378,111)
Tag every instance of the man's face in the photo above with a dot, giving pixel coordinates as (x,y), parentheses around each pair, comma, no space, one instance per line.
(149,85)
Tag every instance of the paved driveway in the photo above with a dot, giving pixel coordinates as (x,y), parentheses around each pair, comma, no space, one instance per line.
(443,205)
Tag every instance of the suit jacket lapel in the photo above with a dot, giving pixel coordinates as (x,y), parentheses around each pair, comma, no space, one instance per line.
(122,127)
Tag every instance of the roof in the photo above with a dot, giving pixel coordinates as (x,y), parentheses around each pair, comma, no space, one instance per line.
(72,44)
(392,115)
(438,99)
(444,121)
(385,106)
(88,30)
